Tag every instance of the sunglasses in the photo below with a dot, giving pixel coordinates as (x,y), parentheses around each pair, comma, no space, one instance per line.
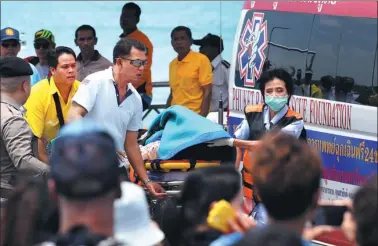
(137,62)
(43,45)
(6,45)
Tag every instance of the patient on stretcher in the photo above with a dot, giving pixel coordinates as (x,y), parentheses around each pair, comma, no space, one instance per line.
(149,152)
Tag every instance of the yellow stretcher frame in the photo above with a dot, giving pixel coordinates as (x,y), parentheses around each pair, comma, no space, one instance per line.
(170,165)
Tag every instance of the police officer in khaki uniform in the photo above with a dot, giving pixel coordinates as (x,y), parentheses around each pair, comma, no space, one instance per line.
(17,148)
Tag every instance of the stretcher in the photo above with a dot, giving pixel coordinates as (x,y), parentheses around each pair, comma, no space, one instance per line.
(171,174)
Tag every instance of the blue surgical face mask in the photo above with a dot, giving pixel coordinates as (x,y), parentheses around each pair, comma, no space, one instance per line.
(276,103)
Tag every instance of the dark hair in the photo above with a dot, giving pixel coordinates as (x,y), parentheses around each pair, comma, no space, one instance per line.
(123,48)
(134,6)
(203,187)
(85,28)
(365,213)
(278,73)
(182,28)
(327,81)
(287,173)
(53,55)
(26,214)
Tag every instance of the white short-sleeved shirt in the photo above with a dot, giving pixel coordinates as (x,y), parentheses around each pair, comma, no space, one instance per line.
(221,70)
(97,94)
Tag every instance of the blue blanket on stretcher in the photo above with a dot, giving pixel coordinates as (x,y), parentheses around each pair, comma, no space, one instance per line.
(178,128)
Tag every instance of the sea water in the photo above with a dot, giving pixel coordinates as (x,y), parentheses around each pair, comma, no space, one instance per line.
(157,21)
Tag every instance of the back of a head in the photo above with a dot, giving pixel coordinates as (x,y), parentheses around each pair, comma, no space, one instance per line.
(366,213)
(13,72)
(270,236)
(28,224)
(203,187)
(84,163)
(287,173)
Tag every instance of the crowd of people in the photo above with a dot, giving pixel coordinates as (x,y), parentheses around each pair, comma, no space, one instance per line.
(70,127)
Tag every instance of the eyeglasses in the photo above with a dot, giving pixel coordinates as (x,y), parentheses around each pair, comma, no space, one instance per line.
(136,62)
(43,45)
(6,45)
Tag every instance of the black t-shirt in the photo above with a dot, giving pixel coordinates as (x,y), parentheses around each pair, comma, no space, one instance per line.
(80,236)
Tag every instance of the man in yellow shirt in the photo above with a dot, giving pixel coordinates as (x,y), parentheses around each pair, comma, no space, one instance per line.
(190,74)
(50,99)
(129,19)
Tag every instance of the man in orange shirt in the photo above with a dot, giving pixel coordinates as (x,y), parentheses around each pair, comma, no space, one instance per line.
(128,21)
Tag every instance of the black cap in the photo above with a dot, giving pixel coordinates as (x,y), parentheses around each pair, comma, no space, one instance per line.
(84,163)
(14,67)
(210,40)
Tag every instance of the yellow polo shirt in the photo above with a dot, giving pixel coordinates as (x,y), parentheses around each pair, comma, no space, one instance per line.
(41,110)
(186,79)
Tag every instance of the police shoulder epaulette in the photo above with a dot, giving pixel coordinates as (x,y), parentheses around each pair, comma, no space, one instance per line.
(254,108)
(225,63)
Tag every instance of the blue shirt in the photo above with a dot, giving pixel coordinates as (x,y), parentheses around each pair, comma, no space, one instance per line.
(233,238)
(295,128)
(260,215)
(227,240)
(35,77)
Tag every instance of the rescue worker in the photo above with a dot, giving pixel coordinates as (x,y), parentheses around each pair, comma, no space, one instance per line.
(212,46)
(276,86)
(18,145)
(109,98)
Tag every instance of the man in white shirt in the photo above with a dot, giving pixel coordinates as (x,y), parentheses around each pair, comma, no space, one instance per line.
(109,98)
(212,46)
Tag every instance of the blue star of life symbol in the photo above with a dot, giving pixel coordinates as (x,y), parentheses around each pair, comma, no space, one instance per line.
(253,42)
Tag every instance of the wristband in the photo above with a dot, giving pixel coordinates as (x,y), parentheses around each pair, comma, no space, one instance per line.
(146,181)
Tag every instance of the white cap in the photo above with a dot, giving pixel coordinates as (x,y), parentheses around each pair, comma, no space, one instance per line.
(133,224)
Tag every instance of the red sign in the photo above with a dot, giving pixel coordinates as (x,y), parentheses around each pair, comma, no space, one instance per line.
(339,8)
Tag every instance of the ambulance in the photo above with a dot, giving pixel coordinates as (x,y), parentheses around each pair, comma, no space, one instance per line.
(329,47)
